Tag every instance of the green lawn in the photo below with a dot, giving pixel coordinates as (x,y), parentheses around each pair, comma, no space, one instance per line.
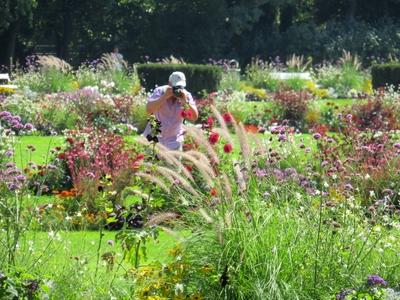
(42,144)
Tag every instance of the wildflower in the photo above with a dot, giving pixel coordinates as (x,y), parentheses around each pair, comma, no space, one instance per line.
(213,192)
(330,140)
(111,243)
(376,280)
(397,145)
(317,136)
(9,153)
(227,117)
(20,178)
(28,126)
(349,117)
(324,163)
(308,150)
(342,295)
(348,187)
(282,138)
(228,148)
(214,137)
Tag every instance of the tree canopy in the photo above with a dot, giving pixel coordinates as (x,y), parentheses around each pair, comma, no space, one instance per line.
(196,30)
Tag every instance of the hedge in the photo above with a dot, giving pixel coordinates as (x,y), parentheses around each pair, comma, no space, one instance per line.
(199,78)
(386,74)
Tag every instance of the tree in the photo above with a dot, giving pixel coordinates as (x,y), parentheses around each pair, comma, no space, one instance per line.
(14,14)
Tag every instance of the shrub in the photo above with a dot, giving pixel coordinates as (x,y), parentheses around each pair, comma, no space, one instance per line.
(387,74)
(292,106)
(200,78)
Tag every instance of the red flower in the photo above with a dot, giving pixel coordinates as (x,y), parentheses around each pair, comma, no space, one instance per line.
(61,156)
(139,157)
(189,168)
(213,138)
(228,148)
(70,140)
(227,117)
(213,192)
(210,122)
(187,113)
(187,147)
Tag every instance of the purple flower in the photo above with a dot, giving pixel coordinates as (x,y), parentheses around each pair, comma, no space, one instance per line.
(9,153)
(376,280)
(5,114)
(111,243)
(330,140)
(261,172)
(28,126)
(349,117)
(308,150)
(20,178)
(317,136)
(348,187)
(397,145)
(282,138)
(342,295)
(12,186)
(324,163)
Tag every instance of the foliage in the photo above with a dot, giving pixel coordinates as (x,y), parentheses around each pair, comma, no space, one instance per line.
(292,106)
(200,78)
(387,74)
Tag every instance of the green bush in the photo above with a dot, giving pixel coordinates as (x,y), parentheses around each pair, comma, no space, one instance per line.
(199,78)
(386,74)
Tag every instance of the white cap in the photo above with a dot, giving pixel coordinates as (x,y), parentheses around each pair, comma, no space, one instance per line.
(177,79)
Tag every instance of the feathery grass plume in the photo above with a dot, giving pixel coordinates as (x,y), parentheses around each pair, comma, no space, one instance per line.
(161,218)
(205,169)
(172,233)
(199,137)
(52,62)
(225,131)
(227,190)
(129,191)
(297,63)
(348,59)
(198,155)
(244,144)
(173,60)
(228,219)
(110,62)
(261,148)
(154,180)
(172,175)
(155,168)
(173,161)
(206,216)
(239,177)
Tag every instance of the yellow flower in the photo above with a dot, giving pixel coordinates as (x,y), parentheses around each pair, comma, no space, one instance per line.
(136,88)
(196,296)
(367,87)
(6,90)
(75,85)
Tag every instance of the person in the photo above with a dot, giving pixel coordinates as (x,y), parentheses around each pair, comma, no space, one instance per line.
(167,103)
(118,58)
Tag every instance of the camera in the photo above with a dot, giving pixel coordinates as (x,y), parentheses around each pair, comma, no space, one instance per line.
(177,90)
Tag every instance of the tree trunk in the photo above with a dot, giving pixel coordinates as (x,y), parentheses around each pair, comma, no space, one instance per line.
(63,48)
(11,43)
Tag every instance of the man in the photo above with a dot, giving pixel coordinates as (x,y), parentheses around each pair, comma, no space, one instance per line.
(167,103)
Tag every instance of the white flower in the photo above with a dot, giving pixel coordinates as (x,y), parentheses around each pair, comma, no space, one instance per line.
(371,193)
(178,288)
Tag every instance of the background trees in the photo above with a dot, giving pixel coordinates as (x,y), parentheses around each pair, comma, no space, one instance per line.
(77,30)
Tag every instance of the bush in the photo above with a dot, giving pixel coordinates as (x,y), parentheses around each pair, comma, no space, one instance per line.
(387,74)
(200,78)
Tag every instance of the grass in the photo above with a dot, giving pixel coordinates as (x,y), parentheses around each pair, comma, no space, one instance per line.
(42,144)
